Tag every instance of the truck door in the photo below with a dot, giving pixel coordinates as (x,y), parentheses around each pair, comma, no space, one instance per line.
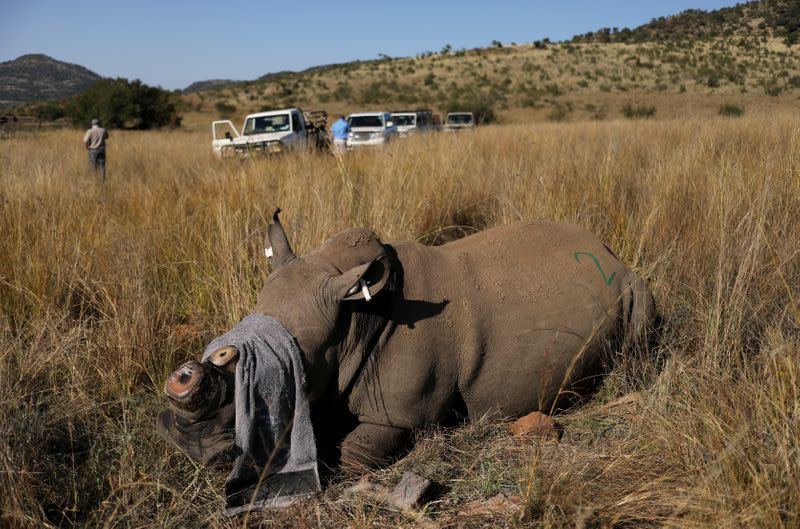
(299,135)
(222,135)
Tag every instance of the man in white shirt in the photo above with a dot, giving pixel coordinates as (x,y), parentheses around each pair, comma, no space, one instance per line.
(95,142)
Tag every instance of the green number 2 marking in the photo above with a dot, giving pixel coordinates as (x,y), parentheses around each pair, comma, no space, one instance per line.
(607,280)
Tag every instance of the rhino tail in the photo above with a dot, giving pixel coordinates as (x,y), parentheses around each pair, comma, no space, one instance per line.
(639,315)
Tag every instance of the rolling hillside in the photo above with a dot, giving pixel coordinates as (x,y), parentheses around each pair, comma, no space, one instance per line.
(765,19)
(582,79)
(39,77)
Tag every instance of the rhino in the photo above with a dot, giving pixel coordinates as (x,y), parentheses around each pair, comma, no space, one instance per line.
(397,336)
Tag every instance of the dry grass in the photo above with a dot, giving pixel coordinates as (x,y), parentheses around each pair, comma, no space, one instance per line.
(98,285)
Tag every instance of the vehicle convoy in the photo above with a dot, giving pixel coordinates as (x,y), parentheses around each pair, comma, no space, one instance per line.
(369,129)
(273,132)
(414,121)
(459,121)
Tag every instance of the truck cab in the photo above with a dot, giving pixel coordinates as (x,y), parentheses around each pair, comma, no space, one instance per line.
(458,121)
(369,129)
(264,132)
(412,121)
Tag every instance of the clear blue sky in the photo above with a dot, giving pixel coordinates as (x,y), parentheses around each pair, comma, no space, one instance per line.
(173,43)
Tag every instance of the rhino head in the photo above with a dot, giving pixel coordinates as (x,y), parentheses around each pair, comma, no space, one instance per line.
(308,296)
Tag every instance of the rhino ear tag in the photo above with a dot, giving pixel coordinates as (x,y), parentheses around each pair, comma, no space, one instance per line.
(268,252)
(365,290)
(364,287)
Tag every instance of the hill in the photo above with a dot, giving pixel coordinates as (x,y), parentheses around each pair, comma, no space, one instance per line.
(762,18)
(209,84)
(38,77)
(742,53)
(558,82)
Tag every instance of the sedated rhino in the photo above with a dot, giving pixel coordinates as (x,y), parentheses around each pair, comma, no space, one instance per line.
(397,336)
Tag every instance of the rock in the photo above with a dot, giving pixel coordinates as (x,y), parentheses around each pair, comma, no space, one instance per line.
(536,424)
(408,495)
(499,504)
(411,490)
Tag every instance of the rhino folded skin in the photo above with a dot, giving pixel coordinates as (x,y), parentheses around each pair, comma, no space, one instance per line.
(209,441)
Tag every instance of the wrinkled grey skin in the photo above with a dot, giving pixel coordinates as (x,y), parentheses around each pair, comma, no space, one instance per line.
(515,319)
(507,319)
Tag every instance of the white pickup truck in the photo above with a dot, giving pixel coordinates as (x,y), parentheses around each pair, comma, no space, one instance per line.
(272,132)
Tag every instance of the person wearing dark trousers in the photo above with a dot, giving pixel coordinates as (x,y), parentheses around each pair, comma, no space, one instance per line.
(95,142)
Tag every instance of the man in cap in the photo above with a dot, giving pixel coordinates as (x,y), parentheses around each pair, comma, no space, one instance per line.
(95,142)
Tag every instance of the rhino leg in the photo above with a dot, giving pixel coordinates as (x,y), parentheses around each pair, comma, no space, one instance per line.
(372,445)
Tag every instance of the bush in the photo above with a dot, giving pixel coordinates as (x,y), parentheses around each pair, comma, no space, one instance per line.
(558,114)
(120,103)
(49,111)
(640,112)
(374,93)
(225,109)
(732,111)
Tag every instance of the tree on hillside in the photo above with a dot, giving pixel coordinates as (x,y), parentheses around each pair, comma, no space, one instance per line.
(120,103)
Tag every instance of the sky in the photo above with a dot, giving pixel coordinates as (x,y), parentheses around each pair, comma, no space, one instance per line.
(174,43)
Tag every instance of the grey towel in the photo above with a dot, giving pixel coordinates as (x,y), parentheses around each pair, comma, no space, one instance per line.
(277,453)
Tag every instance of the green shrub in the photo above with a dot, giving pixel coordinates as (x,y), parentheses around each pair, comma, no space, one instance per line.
(373,93)
(773,90)
(638,112)
(224,108)
(120,103)
(733,111)
(558,114)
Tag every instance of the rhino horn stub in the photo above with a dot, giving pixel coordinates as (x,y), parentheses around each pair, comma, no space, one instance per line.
(183,380)
(223,357)
(277,245)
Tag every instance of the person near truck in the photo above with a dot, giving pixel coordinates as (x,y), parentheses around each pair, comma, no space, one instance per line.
(340,129)
(95,142)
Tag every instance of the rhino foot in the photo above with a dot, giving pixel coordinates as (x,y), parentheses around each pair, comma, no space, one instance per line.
(373,445)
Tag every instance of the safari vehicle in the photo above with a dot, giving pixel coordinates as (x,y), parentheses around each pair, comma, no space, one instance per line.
(459,121)
(369,129)
(266,133)
(413,122)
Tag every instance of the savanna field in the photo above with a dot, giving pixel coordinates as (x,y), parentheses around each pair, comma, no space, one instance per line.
(104,290)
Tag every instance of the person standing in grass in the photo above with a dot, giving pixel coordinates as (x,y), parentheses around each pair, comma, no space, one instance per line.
(95,142)
(340,129)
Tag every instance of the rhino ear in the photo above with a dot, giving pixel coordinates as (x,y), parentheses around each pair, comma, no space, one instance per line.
(364,281)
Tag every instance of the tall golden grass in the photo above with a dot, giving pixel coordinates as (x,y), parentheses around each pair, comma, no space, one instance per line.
(104,289)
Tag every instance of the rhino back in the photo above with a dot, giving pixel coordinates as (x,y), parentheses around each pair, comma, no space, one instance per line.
(506,319)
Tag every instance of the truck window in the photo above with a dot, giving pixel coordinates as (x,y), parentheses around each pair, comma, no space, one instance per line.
(262,124)
(366,121)
(404,120)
